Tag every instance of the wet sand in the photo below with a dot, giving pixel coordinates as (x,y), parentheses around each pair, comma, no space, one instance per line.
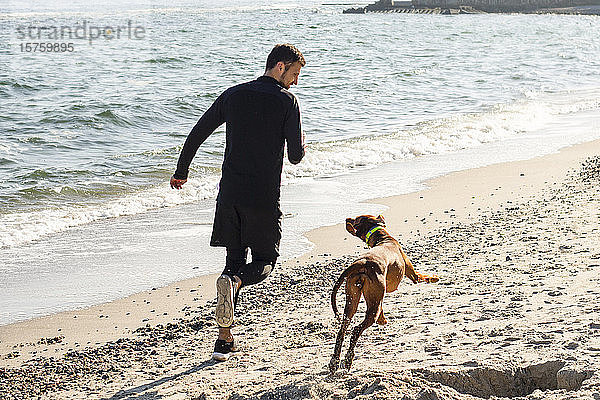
(515,314)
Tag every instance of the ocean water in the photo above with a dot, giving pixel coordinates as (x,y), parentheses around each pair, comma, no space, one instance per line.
(90,137)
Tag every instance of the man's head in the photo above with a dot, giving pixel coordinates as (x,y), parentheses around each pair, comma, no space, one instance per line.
(284,64)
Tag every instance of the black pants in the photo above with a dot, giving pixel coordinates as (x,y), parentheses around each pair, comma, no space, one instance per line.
(239,227)
(249,273)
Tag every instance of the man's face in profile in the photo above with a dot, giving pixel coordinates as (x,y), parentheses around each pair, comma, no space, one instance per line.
(290,75)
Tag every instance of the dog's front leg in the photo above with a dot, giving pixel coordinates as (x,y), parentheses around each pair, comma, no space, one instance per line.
(414,276)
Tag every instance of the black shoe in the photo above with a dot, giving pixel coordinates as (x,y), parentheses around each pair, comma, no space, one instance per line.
(223,350)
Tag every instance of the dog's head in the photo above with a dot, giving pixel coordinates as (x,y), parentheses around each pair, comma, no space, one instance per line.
(360,225)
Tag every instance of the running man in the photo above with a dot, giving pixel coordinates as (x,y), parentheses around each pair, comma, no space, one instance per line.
(260,116)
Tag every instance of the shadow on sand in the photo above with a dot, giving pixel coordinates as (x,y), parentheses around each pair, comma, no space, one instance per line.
(141,392)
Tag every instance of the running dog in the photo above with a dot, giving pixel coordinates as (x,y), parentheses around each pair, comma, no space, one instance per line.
(375,273)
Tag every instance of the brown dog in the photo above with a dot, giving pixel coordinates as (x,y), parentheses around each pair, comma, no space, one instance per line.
(375,273)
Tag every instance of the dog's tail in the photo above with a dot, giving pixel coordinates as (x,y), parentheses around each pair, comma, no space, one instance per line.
(336,287)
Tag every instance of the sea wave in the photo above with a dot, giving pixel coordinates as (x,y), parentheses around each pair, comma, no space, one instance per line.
(437,136)
(98,119)
(5,161)
(113,117)
(166,60)
(443,135)
(21,227)
(19,87)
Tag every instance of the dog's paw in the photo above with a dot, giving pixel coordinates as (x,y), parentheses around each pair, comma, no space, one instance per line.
(347,363)
(426,278)
(334,365)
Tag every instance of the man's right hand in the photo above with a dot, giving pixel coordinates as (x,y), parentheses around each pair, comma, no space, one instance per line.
(177,183)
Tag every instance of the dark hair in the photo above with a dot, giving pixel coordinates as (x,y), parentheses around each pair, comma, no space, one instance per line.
(286,53)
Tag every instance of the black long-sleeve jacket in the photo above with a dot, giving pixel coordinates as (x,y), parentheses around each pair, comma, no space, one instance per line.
(260,115)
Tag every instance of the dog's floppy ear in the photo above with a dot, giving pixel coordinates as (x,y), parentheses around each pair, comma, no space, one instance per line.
(350,226)
(380,219)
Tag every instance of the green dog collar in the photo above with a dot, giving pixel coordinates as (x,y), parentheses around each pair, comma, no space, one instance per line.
(373,230)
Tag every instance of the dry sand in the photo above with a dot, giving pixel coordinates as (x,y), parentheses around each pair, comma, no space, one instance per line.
(516,313)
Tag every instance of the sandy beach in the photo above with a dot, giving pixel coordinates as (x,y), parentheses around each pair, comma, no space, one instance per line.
(515,314)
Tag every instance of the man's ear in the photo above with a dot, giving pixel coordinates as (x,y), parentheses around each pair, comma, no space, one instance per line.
(380,219)
(350,226)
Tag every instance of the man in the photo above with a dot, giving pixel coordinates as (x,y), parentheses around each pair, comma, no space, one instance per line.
(261,115)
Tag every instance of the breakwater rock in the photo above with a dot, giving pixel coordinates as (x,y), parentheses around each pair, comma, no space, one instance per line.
(584,7)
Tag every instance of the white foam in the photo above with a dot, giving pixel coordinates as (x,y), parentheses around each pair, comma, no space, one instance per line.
(444,135)
(21,227)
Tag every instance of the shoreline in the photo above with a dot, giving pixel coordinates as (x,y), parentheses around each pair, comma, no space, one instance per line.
(453,200)
(458,187)
(329,240)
